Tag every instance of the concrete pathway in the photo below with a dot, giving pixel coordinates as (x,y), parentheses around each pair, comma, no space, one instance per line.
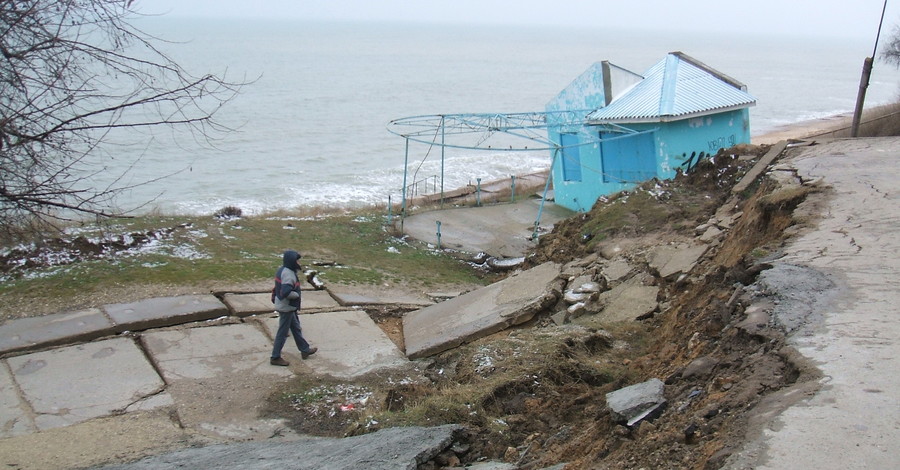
(501,230)
(840,291)
(70,367)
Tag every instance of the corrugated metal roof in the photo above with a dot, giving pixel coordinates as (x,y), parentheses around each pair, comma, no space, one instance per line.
(677,87)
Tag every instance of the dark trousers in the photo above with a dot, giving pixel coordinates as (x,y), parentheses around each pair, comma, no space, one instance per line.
(288,322)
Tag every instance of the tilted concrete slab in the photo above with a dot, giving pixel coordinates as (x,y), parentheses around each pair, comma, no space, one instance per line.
(386,449)
(509,302)
(244,305)
(29,334)
(76,383)
(628,301)
(204,352)
(14,419)
(671,260)
(350,343)
(164,311)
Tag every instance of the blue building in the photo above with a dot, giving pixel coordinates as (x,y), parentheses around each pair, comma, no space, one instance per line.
(639,127)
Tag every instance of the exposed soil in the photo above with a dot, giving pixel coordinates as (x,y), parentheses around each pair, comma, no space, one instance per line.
(552,408)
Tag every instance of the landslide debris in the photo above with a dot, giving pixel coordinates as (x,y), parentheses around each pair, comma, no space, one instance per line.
(688,252)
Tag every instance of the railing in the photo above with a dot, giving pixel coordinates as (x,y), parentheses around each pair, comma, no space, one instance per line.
(422,187)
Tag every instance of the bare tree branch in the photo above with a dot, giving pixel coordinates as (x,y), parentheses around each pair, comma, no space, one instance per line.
(71,71)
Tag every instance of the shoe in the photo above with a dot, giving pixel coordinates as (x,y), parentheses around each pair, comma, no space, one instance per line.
(305,354)
(278,361)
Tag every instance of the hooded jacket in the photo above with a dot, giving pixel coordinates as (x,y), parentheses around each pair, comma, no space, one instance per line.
(286,293)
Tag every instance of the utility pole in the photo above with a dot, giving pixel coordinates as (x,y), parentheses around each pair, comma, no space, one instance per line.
(864,80)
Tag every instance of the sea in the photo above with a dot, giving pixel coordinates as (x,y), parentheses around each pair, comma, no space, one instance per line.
(310,129)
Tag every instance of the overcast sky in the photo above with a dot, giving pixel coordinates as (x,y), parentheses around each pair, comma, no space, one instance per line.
(834,18)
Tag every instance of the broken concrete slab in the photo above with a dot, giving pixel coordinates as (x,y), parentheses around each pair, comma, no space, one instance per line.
(14,420)
(636,402)
(670,260)
(387,449)
(205,352)
(164,311)
(76,383)
(616,270)
(350,343)
(30,334)
(509,302)
(629,301)
(246,304)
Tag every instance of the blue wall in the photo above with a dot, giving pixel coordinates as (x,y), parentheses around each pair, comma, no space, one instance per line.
(672,142)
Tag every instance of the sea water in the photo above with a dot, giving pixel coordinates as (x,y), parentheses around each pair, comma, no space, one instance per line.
(310,128)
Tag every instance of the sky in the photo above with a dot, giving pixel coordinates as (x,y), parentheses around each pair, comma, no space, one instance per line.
(828,18)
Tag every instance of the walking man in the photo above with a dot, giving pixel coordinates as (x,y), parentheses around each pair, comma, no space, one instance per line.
(286,297)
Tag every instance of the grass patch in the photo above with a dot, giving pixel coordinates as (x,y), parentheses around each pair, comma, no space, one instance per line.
(204,252)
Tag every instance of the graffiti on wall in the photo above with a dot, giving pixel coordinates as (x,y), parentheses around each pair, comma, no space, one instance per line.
(722,143)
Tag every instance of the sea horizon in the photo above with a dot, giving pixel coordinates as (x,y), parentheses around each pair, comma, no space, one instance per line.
(312,127)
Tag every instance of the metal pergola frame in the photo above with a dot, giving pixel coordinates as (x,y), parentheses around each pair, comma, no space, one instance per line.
(452,130)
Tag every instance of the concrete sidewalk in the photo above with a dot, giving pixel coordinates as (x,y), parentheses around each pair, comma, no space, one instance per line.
(839,295)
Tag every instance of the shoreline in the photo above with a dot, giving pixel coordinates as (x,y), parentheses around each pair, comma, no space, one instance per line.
(830,126)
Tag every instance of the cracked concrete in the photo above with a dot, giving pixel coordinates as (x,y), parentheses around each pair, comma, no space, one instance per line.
(848,266)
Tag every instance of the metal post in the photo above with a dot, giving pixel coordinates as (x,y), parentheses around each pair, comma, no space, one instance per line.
(864,79)
(478,193)
(513,178)
(390,211)
(442,161)
(537,223)
(438,233)
(405,171)
(861,96)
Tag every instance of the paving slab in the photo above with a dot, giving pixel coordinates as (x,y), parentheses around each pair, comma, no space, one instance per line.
(219,376)
(509,302)
(377,297)
(350,343)
(164,311)
(246,304)
(628,301)
(211,351)
(501,230)
(14,417)
(76,383)
(671,260)
(29,334)
(386,449)
(318,300)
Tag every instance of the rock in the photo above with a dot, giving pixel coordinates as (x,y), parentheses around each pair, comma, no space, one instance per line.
(589,287)
(573,298)
(700,367)
(637,402)
(511,455)
(576,310)
(505,264)
(710,234)
(560,318)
